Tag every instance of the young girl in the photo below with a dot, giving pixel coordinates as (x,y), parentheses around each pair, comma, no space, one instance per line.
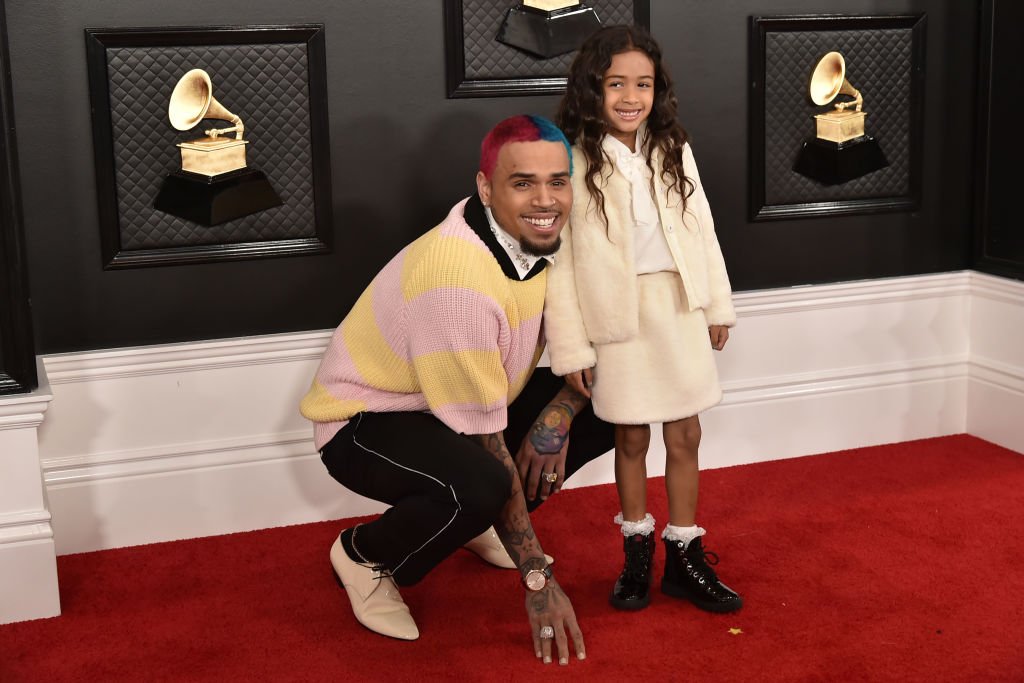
(637,299)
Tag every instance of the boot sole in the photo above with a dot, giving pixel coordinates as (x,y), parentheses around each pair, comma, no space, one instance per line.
(629,605)
(674,591)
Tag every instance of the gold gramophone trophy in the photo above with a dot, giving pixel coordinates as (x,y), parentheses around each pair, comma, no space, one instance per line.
(214,184)
(842,150)
(548,28)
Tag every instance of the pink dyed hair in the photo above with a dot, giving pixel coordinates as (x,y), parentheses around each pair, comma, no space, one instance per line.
(521,128)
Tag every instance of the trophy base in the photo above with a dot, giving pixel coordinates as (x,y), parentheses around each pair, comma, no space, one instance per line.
(214,200)
(547,34)
(840,126)
(212,156)
(833,163)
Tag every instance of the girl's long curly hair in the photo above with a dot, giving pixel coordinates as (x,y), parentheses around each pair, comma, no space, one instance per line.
(580,114)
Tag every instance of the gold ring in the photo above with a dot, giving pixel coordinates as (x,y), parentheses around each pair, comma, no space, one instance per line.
(550,477)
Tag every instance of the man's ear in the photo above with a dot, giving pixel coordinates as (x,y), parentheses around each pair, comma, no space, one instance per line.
(483,188)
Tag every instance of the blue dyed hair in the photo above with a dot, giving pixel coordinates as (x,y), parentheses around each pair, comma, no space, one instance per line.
(521,128)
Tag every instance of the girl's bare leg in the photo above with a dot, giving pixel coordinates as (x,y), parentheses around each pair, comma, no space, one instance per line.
(631,443)
(632,588)
(687,574)
(682,439)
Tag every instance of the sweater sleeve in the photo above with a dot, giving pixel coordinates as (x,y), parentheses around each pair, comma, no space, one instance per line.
(721,310)
(569,347)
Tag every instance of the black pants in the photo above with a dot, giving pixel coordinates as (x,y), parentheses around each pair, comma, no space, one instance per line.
(443,488)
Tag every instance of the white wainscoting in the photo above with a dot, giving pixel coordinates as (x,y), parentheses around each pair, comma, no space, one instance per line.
(28,561)
(995,392)
(166,442)
(829,367)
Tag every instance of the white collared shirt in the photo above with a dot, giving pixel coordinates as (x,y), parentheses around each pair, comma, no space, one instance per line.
(524,262)
(650,249)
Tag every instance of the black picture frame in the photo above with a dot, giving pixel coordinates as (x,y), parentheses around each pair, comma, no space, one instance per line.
(998,238)
(260,38)
(833,201)
(525,80)
(18,372)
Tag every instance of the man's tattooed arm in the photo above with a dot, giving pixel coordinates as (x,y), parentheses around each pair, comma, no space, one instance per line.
(513,525)
(551,428)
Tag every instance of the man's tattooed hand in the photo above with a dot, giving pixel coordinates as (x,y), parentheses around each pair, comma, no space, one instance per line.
(549,432)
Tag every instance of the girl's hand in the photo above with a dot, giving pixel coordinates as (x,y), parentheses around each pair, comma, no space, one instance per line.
(581,381)
(551,607)
(719,335)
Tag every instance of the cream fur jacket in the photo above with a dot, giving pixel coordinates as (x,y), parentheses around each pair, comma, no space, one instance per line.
(592,286)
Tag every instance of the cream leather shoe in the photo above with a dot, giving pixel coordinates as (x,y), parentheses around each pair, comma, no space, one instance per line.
(374,597)
(488,546)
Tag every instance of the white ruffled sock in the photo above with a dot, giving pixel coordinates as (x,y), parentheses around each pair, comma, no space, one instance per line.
(682,533)
(645,526)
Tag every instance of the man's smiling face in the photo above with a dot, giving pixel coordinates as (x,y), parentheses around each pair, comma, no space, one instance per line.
(529,193)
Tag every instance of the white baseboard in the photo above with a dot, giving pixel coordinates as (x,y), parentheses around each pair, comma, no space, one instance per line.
(28,563)
(175,441)
(995,404)
(29,587)
(184,440)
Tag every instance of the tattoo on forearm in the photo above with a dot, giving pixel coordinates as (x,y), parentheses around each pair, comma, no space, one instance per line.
(513,525)
(551,429)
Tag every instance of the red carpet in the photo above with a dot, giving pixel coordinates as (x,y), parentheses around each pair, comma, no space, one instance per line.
(894,563)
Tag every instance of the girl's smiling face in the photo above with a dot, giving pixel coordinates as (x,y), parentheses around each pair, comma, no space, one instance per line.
(628,86)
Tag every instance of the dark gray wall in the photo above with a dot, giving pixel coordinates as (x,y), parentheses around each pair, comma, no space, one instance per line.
(17,355)
(402,154)
(999,237)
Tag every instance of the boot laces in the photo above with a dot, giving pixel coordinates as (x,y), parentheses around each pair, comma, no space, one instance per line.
(702,561)
(638,559)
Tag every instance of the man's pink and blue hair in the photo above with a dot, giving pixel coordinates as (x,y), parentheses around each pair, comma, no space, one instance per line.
(521,128)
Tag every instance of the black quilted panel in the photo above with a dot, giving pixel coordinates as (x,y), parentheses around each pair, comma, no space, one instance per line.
(266,85)
(878,63)
(486,58)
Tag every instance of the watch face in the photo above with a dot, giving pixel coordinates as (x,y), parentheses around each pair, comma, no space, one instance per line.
(535,580)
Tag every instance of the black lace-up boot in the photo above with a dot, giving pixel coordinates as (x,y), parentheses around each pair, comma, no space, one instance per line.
(688,576)
(633,587)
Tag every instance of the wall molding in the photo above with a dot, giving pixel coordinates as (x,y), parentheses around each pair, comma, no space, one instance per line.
(996,288)
(168,358)
(178,457)
(812,351)
(19,527)
(844,294)
(997,374)
(845,379)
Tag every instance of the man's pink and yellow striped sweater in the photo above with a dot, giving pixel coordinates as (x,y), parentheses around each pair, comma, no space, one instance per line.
(445,327)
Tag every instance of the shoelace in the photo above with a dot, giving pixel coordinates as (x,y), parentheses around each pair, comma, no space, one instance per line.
(703,561)
(637,561)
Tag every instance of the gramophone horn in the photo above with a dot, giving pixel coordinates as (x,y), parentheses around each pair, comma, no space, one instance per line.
(829,81)
(192,101)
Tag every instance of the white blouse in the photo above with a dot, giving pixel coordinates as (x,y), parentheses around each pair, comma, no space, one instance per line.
(650,248)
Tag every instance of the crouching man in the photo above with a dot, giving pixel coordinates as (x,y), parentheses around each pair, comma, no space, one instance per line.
(431,379)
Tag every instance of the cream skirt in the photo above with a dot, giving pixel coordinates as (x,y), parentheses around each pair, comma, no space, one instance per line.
(667,372)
